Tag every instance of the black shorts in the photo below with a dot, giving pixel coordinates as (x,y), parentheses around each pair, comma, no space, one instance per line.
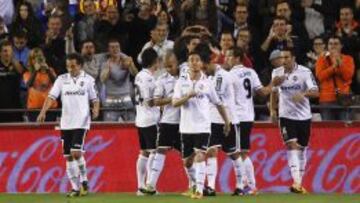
(169,136)
(244,131)
(73,140)
(148,137)
(191,142)
(218,138)
(295,130)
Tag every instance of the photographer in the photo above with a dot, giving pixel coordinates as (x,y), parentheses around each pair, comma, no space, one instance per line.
(39,79)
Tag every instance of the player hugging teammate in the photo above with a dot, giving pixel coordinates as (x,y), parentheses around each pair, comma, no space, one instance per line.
(205,108)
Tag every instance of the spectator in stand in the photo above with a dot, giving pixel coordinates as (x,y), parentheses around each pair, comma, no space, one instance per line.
(26,21)
(21,50)
(241,15)
(244,40)
(334,71)
(159,43)
(357,11)
(170,19)
(85,26)
(202,12)
(39,79)
(278,37)
(140,27)
(10,73)
(226,42)
(349,32)
(295,27)
(115,76)
(110,27)
(92,62)
(54,47)
(319,49)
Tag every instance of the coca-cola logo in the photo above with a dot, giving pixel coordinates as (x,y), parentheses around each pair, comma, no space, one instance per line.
(27,174)
(332,169)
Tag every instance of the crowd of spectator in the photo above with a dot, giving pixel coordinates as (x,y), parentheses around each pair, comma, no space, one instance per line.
(111,35)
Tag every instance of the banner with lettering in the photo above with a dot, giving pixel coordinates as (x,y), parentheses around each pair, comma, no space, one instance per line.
(31,160)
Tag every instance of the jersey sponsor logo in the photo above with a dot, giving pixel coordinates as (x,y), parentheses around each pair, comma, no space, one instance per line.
(242,75)
(75,93)
(292,87)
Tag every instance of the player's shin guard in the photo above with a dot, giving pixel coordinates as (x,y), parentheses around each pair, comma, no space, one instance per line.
(82,168)
(293,161)
(302,162)
(250,172)
(211,171)
(190,172)
(156,169)
(141,170)
(72,171)
(200,174)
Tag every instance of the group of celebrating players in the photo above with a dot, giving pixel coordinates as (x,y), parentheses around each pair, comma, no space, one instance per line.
(200,108)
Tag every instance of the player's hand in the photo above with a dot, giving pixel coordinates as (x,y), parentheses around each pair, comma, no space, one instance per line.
(227,128)
(95,113)
(299,97)
(278,80)
(41,117)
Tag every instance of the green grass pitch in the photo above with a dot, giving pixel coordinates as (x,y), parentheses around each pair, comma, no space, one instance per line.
(176,198)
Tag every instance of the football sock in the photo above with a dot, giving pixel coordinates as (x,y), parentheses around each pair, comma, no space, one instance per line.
(141,170)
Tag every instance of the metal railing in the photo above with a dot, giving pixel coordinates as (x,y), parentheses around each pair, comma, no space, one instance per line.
(355,109)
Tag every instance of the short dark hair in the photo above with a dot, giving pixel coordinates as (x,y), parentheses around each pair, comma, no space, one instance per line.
(334,37)
(203,50)
(148,57)
(282,2)
(280,18)
(20,34)
(87,41)
(346,7)
(238,52)
(113,40)
(289,49)
(75,56)
(4,44)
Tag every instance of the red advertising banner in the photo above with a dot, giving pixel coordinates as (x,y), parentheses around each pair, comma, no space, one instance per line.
(31,160)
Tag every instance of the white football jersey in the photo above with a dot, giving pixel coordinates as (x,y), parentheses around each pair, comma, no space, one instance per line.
(224,87)
(195,113)
(146,116)
(165,89)
(299,80)
(246,83)
(75,94)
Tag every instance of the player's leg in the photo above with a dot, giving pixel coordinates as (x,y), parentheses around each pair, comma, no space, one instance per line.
(201,145)
(216,139)
(72,169)
(304,129)
(231,146)
(141,162)
(248,167)
(164,144)
(188,154)
(289,134)
(77,150)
